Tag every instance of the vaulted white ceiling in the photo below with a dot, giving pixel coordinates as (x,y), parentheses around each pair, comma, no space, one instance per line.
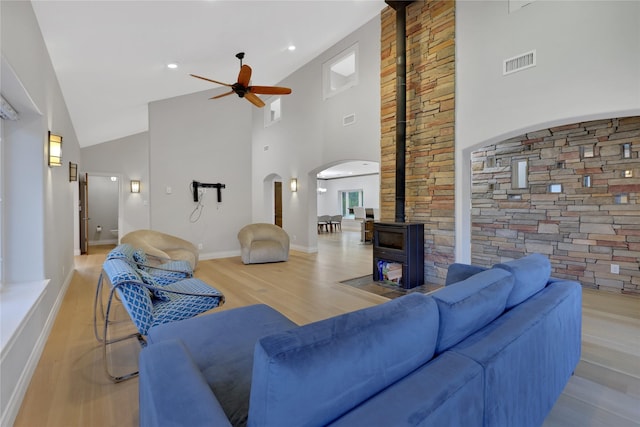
(111,56)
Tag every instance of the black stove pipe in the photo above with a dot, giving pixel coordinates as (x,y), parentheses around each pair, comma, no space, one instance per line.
(401,103)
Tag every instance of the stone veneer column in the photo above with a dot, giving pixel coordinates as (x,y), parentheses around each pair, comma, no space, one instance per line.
(430,128)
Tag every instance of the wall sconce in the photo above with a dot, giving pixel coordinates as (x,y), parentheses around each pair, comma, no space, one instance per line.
(135,186)
(73,172)
(55,150)
(294,185)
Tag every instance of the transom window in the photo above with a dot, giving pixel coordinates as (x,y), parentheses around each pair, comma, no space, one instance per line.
(273,112)
(340,72)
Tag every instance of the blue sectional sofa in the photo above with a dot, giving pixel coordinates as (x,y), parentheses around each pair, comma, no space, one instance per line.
(493,348)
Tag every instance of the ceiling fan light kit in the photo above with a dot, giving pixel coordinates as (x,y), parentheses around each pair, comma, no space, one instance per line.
(243,90)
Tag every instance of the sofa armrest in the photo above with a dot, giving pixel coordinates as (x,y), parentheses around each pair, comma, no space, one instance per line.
(172,390)
(458,272)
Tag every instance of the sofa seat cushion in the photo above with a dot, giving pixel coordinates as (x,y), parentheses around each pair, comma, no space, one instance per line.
(447,391)
(531,274)
(222,346)
(469,305)
(311,375)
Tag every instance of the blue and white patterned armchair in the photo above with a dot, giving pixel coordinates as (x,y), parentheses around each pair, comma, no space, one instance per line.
(165,273)
(150,302)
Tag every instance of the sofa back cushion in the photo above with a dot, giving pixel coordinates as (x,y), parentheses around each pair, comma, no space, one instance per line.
(315,373)
(531,274)
(468,306)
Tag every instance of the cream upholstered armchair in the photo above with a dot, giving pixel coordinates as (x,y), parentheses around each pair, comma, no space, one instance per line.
(261,243)
(164,246)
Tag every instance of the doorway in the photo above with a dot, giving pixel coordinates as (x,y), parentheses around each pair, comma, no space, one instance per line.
(100,210)
(84,214)
(277,203)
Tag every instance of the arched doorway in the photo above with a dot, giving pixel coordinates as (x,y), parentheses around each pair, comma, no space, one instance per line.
(346,188)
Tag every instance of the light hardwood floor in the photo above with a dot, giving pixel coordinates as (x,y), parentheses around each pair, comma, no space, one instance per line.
(69,387)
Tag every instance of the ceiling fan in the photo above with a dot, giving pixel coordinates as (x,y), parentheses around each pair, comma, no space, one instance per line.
(242,88)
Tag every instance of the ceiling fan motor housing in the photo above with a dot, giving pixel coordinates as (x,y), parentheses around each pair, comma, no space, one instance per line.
(239,89)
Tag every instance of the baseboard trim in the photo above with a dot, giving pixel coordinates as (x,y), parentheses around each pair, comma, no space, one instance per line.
(103,242)
(216,255)
(305,249)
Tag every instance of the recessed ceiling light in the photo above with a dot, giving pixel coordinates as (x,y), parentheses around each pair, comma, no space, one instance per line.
(173,66)
(291,47)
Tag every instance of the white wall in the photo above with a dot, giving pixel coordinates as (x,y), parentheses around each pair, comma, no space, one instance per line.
(329,202)
(310,136)
(127,158)
(588,67)
(195,138)
(39,205)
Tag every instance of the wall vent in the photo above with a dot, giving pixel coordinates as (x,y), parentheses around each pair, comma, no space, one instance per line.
(6,110)
(519,63)
(349,119)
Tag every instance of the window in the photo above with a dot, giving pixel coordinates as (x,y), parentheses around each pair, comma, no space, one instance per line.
(350,199)
(555,188)
(622,199)
(1,198)
(519,174)
(340,72)
(273,112)
(587,151)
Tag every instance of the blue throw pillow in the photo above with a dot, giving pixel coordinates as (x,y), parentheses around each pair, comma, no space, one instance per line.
(122,251)
(531,274)
(139,256)
(468,306)
(155,293)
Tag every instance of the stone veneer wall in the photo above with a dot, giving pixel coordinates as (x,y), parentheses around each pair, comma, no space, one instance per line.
(583,230)
(430,127)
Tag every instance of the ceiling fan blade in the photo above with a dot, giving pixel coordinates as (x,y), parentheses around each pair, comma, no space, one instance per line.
(220,96)
(244,76)
(269,90)
(254,99)
(209,80)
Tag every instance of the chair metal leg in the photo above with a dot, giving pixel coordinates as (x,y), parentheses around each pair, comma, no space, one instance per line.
(105,342)
(98,301)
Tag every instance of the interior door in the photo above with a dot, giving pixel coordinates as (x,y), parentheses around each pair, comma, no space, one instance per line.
(84,214)
(277,197)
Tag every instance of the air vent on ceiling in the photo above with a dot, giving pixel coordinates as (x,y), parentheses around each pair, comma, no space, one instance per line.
(349,119)
(519,63)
